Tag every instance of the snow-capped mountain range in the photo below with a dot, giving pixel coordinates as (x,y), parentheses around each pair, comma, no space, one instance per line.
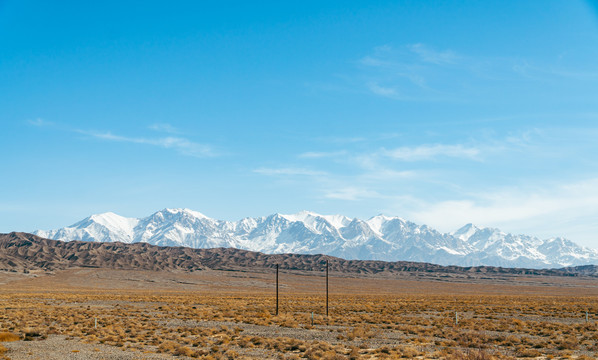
(378,238)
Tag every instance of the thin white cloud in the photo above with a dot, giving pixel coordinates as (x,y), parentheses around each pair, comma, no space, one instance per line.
(402,74)
(419,72)
(165,127)
(288,171)
(184,146)
(427,152)
(321,154)
(430,55)
(341,139)
(383,91)
(350,194)
(373,61)
(386,174)
(181,145)
(39,122)
(447,197)
(539,72)
(545,211)
(396,93)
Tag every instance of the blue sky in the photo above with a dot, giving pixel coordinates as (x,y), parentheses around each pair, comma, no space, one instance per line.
(441,112)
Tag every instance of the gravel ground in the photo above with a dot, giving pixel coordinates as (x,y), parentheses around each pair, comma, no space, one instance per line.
(57,347)
(317,333)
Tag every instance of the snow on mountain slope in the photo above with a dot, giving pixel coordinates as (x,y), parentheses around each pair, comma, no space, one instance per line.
(465,232)
(104,227)
(378,238)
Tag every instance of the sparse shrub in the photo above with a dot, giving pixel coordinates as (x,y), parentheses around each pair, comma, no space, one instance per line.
(470,355)
(568,343)
(354,353)
(424,324)
(408,352)
(183,351)
(530,353)
(33,334)
(167,347)
(7,337)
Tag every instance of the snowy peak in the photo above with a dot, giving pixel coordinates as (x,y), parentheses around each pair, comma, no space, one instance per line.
(338,221)
(466,232)
(300,216)
(111,221)
(312,219)
(378,238)
(377,222)
(179,213)
(568,251)
(105,227)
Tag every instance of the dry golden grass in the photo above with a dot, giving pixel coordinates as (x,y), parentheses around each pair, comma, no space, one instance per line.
(7,336)
(229,326)
(241,324)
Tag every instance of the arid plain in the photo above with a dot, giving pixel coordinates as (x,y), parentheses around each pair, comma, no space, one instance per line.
(107,313)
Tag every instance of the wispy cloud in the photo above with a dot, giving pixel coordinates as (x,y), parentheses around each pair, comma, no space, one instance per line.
(179,144)
(448,184)
(412,73)
(420,72)
(427,152)
(350,194)
(165,127)
(341,139)
(365,138)
(430,55)
(541,72)
(321,154)
(546,207)
(387,174)
(288,171)
(386,91)
(366,175)
(39,122)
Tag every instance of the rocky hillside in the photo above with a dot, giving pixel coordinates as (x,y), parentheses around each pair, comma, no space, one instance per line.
(26,252)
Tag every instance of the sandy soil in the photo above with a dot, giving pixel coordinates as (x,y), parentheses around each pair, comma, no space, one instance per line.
(57,347)
(86,281)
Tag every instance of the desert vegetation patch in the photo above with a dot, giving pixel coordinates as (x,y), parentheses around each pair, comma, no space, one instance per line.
(231,326)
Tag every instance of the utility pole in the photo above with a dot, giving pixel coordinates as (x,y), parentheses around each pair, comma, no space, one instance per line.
(276,289)
(326,287)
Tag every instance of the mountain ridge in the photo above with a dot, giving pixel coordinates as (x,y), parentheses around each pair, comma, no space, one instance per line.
(378,238)
(24,252)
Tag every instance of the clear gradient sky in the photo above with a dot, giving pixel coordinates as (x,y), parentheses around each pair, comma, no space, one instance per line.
(441,112)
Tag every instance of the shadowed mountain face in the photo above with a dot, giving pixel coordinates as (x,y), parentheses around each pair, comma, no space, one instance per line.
(21,251)
(378,238)
(27,252)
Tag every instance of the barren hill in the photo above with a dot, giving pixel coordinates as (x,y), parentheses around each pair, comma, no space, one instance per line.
(24,252)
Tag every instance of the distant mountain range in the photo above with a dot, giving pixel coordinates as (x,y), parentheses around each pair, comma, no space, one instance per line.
(378,238)
(28,253)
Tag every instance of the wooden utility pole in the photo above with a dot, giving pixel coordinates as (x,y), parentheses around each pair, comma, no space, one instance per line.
(276,289)
(326,287)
